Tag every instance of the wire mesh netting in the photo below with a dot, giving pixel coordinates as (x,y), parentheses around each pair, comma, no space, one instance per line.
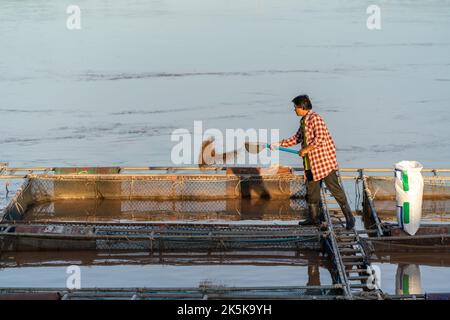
(165,186)
(382,187)
(117,197)
(208,196)
(380,214)
(436,196)
(154,236)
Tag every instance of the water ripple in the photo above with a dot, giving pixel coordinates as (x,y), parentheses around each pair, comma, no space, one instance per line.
(92,76)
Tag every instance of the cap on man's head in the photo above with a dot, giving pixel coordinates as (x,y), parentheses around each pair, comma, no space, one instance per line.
(302,101)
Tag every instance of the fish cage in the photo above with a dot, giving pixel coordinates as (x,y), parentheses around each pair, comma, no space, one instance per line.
(379,214)
(100,209)
(231,190)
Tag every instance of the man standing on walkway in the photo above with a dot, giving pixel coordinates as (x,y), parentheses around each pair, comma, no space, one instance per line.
(319,161)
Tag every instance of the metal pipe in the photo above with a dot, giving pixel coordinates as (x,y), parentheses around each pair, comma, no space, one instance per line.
(371,205)
(242,237)
(172,289)
(212,168)
(395,238)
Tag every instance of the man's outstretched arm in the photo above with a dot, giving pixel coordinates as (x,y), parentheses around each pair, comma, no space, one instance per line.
(295,139)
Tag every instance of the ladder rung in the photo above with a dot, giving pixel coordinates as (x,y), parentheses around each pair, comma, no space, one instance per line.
(349,241)
(358,286)
(354,263)
(356,270)
(349,251)
(358,278)
(339,237)
(347,244)
(348,234)
(352,257)
(343,231)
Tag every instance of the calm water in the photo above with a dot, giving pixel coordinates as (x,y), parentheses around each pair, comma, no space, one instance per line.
(142,269)
(112,93)
(48,269)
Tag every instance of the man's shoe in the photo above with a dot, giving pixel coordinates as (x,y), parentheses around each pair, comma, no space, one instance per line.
(350,223)
(313,218)
(306,222)
(349,218)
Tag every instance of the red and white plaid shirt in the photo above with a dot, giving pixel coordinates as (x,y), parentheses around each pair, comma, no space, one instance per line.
(323,158)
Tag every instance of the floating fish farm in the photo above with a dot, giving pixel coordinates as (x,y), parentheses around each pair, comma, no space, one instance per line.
(172,212)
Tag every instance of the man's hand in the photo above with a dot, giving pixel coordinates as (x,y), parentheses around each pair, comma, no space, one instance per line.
(306,150)
(275,144)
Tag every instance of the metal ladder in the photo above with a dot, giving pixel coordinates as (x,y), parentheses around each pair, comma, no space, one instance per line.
(349,256)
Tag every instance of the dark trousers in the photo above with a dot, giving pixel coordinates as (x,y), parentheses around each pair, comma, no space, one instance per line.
(332,183)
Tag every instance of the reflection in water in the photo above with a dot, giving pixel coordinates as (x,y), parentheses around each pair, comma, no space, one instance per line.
(168,210)
(313,275)
(415,273)
(407,279)
(255,268)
